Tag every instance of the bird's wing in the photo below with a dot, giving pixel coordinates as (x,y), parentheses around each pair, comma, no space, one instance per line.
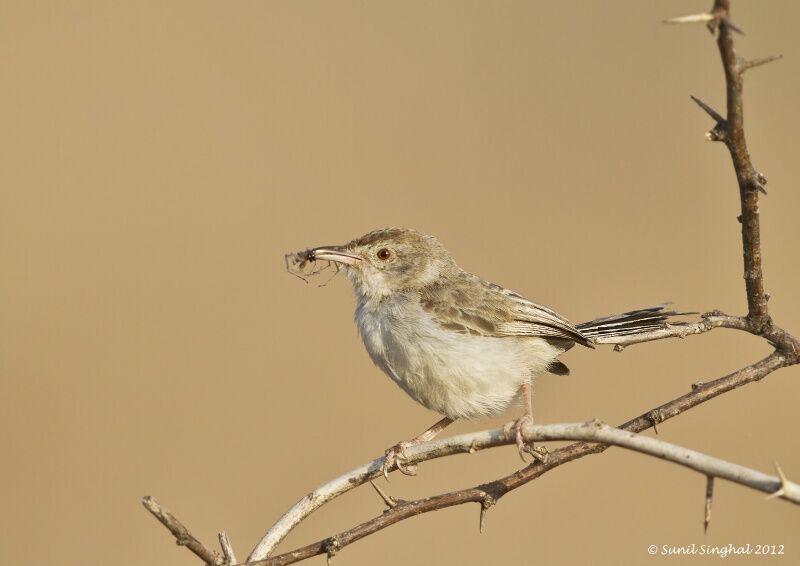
(472,306)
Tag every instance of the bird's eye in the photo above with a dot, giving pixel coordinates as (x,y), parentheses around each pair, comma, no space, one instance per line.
(384,254)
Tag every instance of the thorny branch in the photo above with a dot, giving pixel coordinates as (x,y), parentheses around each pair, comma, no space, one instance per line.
(729,130)
(750,181)
(591,432)
(181,533)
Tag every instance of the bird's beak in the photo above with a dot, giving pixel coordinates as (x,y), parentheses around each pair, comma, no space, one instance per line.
(335,253)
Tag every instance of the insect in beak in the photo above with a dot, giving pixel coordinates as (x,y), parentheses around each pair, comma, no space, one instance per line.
(337,254)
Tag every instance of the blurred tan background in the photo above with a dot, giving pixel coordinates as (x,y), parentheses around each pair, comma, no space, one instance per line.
(158,159)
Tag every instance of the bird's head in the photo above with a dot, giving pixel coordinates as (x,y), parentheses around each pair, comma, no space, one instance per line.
(389,260)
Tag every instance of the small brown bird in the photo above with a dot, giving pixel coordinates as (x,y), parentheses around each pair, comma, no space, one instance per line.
(457,344)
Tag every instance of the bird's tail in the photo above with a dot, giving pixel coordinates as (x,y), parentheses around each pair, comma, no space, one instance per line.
(630,323)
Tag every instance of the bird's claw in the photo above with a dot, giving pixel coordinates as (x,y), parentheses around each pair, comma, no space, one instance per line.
(396,456)
(539,453)
(410,470)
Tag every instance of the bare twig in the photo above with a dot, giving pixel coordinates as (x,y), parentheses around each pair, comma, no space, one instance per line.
(591,433)
(313,501)
(182,535)
(749,180)
(227,549)
(707,322)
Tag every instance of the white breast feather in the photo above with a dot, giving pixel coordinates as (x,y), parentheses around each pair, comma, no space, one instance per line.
(457,375)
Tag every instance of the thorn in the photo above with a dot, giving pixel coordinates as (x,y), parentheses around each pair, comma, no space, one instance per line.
(691,19)
(486,502)
(390,501)
(780,492)
(618,347)
(747,65)
(739,218)
(766,297)
(655,418)
(757,182)
(710,111)
(473,447)
(781,474)
(709,498)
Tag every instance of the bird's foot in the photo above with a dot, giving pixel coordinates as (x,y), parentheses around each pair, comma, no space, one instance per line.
(396,456)
(539,453)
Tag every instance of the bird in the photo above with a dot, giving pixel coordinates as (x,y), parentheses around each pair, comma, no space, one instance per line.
(457,344)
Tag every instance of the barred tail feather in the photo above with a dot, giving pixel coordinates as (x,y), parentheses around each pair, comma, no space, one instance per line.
(630,323)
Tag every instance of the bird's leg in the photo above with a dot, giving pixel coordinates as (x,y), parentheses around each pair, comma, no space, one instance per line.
(396,454)
(539,453)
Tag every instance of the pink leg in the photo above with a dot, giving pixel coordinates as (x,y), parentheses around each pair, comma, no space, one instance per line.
(520,423)
(396,454)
